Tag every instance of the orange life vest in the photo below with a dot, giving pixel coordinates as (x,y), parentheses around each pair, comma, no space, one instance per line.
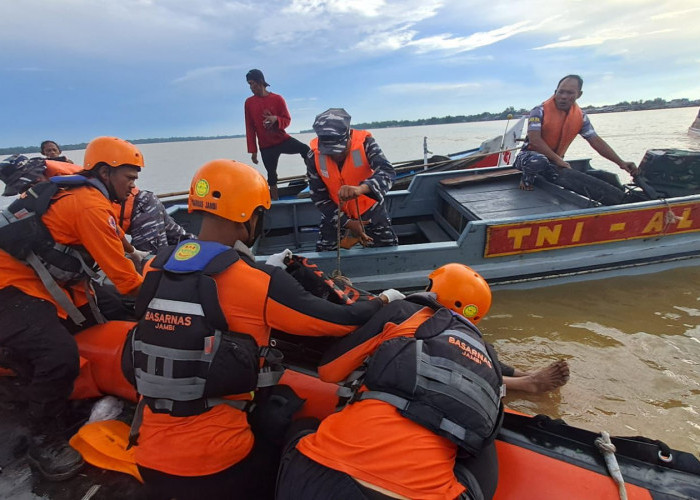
(125,210)
(54,168)
(355,169)
(560,128)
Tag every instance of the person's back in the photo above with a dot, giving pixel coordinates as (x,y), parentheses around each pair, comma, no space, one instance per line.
(190,446)
(376,442)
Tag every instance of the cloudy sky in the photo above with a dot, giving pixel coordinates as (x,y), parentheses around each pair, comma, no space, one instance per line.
(71,70)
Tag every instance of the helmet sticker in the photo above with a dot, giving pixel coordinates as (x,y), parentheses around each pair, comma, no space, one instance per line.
(202,188)
(187,251)
(470,311)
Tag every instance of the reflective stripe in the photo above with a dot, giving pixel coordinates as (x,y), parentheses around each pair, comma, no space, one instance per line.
(452,428)
(177,389)
(269,378)
(469,340)
(176,306)
(324,165)
(356,158)
(168,352)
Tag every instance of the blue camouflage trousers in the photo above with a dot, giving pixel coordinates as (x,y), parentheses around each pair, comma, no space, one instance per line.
(379,229)
(532,164)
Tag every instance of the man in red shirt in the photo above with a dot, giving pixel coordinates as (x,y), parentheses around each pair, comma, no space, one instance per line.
(266,117)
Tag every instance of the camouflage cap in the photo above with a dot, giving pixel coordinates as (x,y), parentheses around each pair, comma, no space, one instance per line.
(333,130)
(19,173)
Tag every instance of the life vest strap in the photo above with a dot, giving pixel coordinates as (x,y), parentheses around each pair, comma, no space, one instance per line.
(54,290)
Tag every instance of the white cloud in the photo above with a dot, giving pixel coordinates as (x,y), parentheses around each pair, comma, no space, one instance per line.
(200,73)
(427,88)
(471,42)
(600,38)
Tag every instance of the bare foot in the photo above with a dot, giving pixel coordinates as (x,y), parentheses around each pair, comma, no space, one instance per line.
(525,187)
(543,380)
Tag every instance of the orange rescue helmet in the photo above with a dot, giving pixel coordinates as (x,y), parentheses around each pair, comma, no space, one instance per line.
(461,289)
(229,189)
(112,151)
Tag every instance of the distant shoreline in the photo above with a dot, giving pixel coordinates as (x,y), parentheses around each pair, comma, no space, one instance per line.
(624,106)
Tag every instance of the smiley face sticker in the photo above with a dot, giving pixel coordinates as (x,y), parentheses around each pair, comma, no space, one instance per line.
(470,311)
(187,251)
(201,189)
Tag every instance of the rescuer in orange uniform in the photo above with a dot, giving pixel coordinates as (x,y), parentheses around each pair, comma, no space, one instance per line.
(206,311)
(37,294)
(427,399)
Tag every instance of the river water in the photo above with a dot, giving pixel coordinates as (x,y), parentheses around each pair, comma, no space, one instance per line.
(633,343)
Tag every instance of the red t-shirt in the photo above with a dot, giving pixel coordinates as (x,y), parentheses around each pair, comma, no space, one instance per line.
(256,108)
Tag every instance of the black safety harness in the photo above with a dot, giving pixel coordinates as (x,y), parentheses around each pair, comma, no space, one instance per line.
(182,357)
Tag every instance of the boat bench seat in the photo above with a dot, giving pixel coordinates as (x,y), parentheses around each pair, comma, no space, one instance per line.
(432,231)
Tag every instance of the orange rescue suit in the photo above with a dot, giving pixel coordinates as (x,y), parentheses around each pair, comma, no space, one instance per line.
(254,300)
(79,216)
(355,169)
(560,128)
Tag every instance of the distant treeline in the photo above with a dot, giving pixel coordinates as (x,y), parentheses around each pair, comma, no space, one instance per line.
(657,103)
(83,145)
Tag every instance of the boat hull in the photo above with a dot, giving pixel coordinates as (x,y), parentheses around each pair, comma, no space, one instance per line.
(513,238)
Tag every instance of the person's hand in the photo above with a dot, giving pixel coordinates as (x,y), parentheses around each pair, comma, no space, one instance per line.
(138,256)
(562,164)
(390,295)
(254,158)
(347,193)
(269,120)
(630,167)
(357,229)
(278,259)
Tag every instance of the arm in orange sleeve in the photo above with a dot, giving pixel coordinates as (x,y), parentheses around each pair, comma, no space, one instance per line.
(99,234)
(396,319)
(292,309)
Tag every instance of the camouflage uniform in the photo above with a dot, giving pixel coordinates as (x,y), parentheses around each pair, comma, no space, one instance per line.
(333,128)
(151,226)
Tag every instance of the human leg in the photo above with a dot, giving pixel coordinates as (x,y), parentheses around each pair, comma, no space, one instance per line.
(301,477)
(543,380)
(327,234)
(33,332)
(253,478)
(294,146)
(479,474)
(379,227)
(590,186)
(532,164)
(270,157)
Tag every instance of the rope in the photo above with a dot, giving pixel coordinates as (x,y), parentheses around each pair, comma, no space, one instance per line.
(336,273)
(669,217)
(608,449)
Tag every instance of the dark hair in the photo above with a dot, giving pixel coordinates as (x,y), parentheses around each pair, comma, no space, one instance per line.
(575,77)
(43,144)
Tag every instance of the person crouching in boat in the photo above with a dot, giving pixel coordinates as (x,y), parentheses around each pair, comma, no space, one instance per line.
(44,280)
(552,127)
(206,314)
(143,217)
(425,405)
(347,169)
